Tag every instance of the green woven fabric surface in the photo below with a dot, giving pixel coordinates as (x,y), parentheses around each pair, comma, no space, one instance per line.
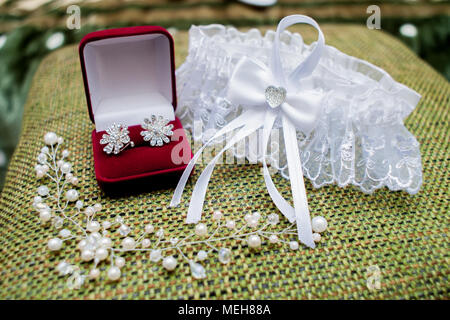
(405,236)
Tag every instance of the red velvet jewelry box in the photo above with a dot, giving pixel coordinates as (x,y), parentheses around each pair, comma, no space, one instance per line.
(129,75)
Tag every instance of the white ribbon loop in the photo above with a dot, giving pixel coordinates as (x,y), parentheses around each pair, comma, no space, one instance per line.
(299,110)
(306,67)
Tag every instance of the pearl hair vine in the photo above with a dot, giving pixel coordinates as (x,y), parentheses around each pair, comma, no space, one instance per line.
(99,243)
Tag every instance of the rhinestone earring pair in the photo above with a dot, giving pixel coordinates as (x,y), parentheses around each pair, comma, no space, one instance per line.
(157,130)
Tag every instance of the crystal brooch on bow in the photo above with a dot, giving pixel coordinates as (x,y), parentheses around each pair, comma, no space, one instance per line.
(275,96)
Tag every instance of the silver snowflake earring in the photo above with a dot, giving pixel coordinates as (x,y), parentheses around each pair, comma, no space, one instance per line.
(116,138)
(157,130)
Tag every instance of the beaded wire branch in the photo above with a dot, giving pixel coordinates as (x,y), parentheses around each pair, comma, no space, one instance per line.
(95,240)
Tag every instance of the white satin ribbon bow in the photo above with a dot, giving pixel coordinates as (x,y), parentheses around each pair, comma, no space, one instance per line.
(299,109)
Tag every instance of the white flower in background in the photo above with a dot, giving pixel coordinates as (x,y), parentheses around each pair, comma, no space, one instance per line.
(172,30)
(2,40)
(29,5)
(55,41)
(408,30)
(2,159)
(259,3)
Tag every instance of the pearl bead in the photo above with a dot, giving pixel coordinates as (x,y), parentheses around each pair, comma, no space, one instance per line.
(101,253)
(50,138)
(146,243)
(40,174)
(42,158)
(252,222)
(254,241)
(118,219)
(106,242)
(202,255)
(293,245)
(72,195)
(64,268)
(128,243)
(97,207)
(319,224)
(201,230)
(45,168)
(59,163)
(41,206)
(113,273)
(87,255)
(89,211)
(169,263)
(120,262)
(37,199)
(64,233)
(160,233)
(316,237)
(60,140)
(94,274)
(58,222)
(247,217)
(45,149)
(79,204)
(74,181)
(82,244)
(225,255)
(93,226)
(273,238)
(149,228)
(66,167)
(231,224)
(65,153)
(155,255)
(106,225)
(124,230)
(273,219)
(42,191)
(256,215)
(217,215)
(95,236)
(45,215)
(55,244)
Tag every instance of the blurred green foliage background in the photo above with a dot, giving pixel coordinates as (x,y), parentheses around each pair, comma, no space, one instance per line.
(30,29)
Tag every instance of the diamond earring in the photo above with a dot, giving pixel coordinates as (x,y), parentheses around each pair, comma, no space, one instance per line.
(116,138)
(157,130)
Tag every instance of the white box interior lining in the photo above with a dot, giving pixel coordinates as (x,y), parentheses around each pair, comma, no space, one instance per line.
(129,79)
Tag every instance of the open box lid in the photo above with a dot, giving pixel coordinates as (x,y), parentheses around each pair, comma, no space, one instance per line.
(129,75)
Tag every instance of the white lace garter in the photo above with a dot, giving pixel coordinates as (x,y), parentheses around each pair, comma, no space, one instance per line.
(346,114)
